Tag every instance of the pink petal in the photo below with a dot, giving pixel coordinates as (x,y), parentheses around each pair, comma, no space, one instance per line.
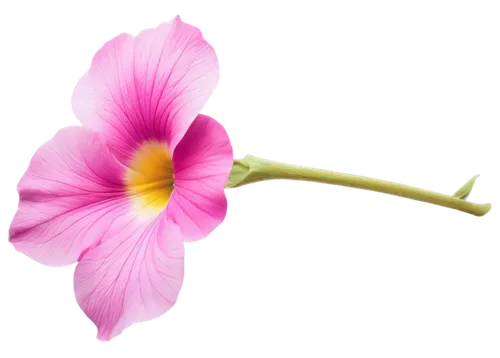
(134,275)
(69,196)
(148,87)
(202,163)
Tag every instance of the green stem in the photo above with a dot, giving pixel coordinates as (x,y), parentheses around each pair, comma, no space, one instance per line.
(252,169)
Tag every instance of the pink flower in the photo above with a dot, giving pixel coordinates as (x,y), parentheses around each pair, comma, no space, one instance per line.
(144,174)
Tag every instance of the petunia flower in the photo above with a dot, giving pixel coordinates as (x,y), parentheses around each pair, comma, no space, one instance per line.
(145,173)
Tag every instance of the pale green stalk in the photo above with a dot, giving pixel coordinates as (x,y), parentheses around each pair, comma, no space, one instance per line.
(252,169)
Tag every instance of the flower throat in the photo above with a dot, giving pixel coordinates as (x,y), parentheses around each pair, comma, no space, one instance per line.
(150,177)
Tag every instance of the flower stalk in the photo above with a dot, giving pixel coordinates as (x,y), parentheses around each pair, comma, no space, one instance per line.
(253,169)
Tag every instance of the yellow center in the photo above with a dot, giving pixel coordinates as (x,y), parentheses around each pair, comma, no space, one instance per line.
(150,177)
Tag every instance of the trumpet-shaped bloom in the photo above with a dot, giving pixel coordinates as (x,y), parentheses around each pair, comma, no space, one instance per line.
(146,172)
